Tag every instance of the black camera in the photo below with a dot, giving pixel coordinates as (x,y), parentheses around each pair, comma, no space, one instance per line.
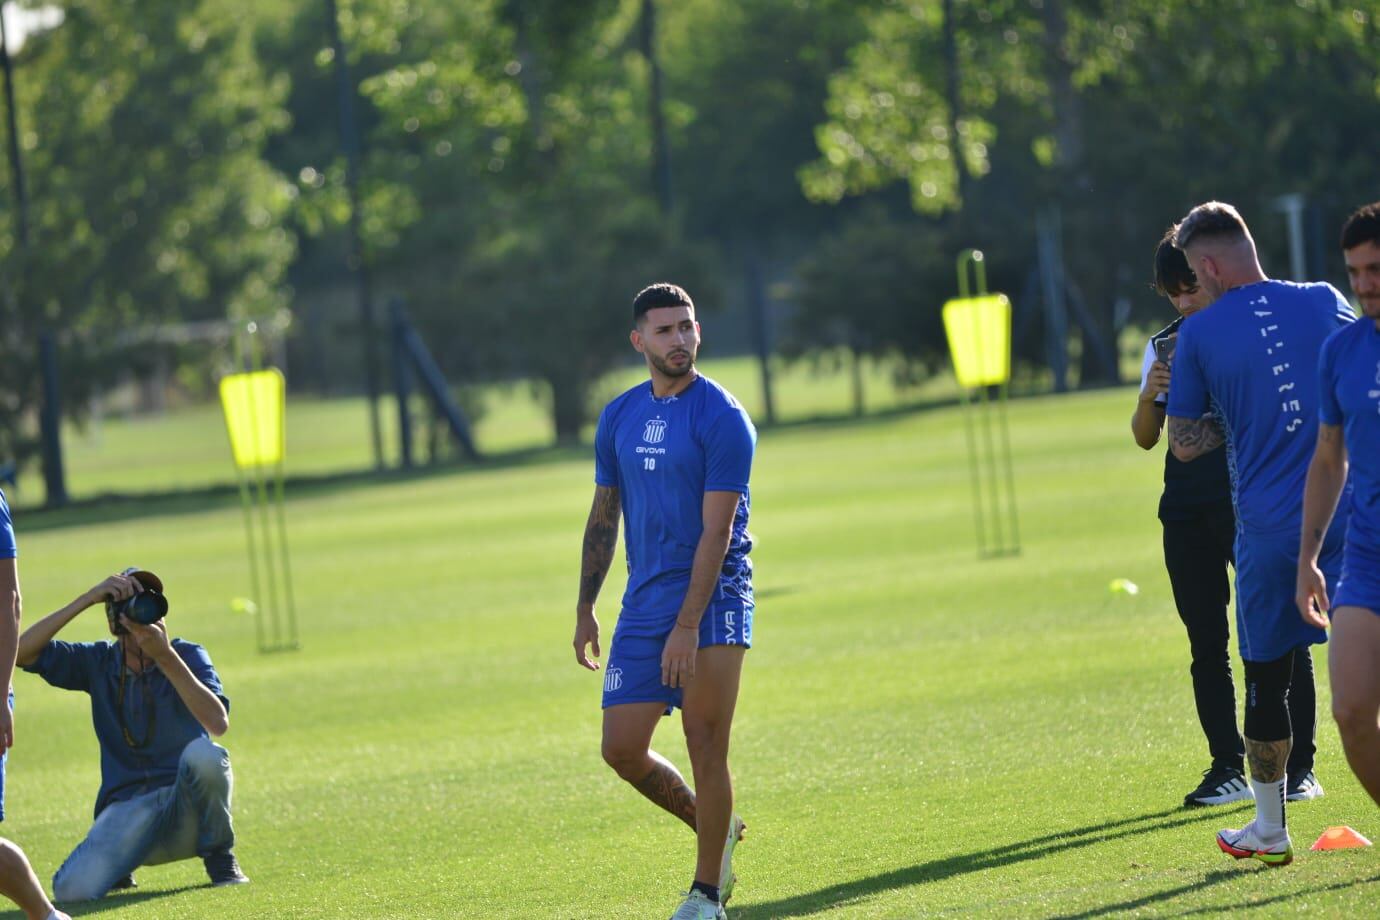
(147,607)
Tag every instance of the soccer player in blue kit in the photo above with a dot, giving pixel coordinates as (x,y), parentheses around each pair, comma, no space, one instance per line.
(17,879)
(1349,440)
(672,457)
(1253,357)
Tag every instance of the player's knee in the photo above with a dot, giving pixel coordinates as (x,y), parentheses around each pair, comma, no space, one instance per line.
(627,760)
(1267,699)
(12,860)
(705,738)
(1355,718)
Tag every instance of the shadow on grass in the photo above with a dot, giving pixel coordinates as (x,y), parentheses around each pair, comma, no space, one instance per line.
(110,902)
(1253,902)
(814,902)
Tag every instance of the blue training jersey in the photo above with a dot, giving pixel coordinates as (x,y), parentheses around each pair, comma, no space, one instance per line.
(1254,356)
(663,455)
(1349,381)
(8,548)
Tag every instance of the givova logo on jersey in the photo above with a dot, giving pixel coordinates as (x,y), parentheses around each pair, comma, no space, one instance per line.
(655,432)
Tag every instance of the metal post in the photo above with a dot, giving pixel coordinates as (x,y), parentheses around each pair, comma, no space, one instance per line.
(358,264)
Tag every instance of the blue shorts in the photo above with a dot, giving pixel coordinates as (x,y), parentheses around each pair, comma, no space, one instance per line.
(1359,585)
(633,672)
(1268,624)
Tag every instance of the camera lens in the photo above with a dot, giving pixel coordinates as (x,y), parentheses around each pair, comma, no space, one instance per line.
(146,608)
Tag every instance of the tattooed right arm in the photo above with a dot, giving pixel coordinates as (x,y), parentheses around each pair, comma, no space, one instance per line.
(601,537)
(1191,438)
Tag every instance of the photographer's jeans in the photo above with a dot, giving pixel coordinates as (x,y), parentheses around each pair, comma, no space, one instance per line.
(189,818)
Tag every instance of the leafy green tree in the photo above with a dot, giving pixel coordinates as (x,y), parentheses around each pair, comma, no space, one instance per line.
(149,203)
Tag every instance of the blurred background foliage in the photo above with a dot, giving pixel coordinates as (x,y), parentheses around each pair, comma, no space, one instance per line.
(809,169)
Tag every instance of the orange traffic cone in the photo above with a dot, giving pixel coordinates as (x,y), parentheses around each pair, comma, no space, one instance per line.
(1339,838)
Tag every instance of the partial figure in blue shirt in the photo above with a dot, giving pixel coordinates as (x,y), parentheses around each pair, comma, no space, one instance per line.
(1253,358)
(17,879)
(155,702)
(672,458)
(1349,442)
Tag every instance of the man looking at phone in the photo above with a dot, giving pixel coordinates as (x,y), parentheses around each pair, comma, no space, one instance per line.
(1199,527)
(165,786)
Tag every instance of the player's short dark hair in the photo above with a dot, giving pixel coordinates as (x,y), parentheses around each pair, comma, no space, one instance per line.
(661,294)
(1212,219)
(1363,226)
(1172,274)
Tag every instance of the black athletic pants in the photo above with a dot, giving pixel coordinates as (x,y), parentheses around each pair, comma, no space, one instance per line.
(1197,553)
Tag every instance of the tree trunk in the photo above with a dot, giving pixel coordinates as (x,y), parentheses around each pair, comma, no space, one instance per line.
(567,408)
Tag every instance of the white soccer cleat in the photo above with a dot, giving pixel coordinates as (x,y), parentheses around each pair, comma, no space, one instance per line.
(697,906)
(1246,843)
(736,829)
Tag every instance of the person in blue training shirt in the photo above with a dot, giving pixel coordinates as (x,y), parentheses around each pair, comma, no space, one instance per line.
(17,879)
(1349,441)
(165,786)
(672,458)
(1253,358)
(1199,533)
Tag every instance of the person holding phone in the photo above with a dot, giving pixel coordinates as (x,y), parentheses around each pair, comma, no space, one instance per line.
(1199,528)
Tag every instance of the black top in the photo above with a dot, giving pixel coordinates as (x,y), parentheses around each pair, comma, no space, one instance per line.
(1198,486)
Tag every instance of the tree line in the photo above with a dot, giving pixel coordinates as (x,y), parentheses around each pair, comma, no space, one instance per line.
(527,164)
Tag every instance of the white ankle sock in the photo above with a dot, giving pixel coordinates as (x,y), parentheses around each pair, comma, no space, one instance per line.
(1269,808)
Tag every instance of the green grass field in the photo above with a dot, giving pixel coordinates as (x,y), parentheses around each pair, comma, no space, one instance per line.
(920,733)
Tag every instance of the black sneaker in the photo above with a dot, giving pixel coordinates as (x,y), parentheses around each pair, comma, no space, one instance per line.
(1304,788)
(125,883)
(224,870)
(1220,786)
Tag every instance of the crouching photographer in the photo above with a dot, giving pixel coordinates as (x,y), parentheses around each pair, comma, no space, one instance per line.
(165,786)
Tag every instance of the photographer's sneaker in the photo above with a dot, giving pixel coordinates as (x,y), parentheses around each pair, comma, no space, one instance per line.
(1247,844)
(736,830)
(697,906)
(123,884)
(1220,786)
(223,869)
(1304,789)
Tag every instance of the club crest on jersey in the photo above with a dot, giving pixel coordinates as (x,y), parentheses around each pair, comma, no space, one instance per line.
(655,432)
(613,679)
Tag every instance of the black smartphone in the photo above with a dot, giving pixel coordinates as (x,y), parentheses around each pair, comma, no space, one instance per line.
(1164,349)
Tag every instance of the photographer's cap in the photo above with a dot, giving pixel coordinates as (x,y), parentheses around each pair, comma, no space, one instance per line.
(146,579)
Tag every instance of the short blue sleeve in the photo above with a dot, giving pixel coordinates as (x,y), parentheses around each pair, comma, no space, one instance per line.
(1188,391)
(199,663)
(68,665)
(605,458)
(728,450)
(1342,314)
(9,549)
(1329,411)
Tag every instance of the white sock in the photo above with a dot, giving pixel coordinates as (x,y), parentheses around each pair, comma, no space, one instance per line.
(1269,808)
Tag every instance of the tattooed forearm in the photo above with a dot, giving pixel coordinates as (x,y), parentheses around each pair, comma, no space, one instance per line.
(601,536)
(666,787)
(1267,759)
(1190,438)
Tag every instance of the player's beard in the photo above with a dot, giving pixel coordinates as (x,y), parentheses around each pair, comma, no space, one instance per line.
(666,368)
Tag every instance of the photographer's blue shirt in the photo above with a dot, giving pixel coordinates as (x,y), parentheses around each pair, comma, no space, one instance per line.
(663,455)
(9,549)
(1254,355)
(155,716)
(1349,380)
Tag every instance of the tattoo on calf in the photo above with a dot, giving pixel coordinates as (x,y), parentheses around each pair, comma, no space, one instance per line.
(1267,759)
(667,788)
